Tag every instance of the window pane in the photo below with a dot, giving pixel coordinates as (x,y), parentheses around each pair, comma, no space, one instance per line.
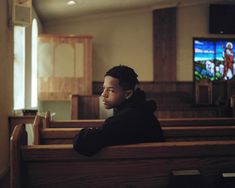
(19,67)
(34,100)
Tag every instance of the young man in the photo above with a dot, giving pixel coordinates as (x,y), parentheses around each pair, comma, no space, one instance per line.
(133,120)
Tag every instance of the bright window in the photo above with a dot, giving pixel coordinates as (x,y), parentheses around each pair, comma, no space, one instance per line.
(34,97)
(19,67)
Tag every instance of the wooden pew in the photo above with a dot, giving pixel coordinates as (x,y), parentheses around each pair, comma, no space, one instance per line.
(48,135)
(175,133)
(17,139)
(137,165)
(66,135)
(164,122)
(187,111)
(220,121)
(169,105)
(75,123)
(71,123)
(15,120)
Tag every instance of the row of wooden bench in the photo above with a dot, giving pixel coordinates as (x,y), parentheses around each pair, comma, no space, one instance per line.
(203,156)
(14,120)
(164,122)
(55,132)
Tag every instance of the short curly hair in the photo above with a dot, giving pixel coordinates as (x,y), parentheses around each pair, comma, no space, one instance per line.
(126,76)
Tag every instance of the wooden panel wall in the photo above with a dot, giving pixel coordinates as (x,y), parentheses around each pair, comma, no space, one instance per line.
(64,66)
(164,47)
(85,107)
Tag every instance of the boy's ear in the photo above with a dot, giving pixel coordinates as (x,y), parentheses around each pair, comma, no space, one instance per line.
(128,93)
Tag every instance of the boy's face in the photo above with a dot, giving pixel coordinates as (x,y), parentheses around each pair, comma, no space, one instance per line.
(113,95)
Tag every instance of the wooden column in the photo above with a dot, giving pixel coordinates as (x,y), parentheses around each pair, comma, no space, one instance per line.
(164,44)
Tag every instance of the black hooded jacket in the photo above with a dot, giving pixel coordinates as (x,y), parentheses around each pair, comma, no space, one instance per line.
(133,122)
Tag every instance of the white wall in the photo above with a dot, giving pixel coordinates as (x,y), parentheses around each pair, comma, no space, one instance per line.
(126,38)
(121,38)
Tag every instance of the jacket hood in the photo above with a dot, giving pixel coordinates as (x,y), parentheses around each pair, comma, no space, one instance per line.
(138,100)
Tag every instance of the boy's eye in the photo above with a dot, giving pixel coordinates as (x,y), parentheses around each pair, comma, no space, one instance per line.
(111,90)
(108,90)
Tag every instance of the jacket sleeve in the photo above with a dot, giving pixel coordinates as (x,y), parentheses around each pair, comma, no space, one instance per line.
(88,142)
(91,140)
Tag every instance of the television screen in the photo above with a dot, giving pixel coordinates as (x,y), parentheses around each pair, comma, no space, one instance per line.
(213,59)
(220,18)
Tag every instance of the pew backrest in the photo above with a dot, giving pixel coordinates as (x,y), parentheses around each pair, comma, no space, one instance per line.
(214,121)
(61,135)
(66,135)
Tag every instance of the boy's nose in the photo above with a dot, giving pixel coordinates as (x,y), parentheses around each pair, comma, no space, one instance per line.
(104,93)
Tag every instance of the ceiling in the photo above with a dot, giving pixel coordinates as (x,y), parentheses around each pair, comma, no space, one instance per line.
(54,10)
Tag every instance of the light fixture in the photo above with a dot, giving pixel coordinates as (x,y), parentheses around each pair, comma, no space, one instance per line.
(71,2)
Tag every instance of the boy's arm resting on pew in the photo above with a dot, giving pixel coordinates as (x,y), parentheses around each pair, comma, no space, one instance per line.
(88,141)
(118,130)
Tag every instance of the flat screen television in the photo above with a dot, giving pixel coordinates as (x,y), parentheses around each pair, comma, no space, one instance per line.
(213,58)
(221,18)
